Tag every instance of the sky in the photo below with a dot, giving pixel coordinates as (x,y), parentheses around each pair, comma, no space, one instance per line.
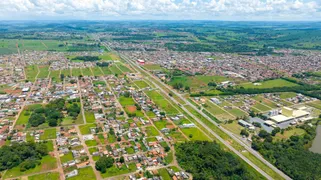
(232,10)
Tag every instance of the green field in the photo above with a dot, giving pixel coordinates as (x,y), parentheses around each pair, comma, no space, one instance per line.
(114,171)
(197,82)
(49,134)
(269,84)
(47,163)
(97,71)
(90,117)
(90,143)
(141,84)
(31,72)
(86,173)
(151,131)
(87,72)
(66,72)
(43,72)
(161,102)
(85,129)
(123,68)
(195,134)
(315,104)
(153,67)
(45,176)
(55,76)
(115,70)
(67,157)
(126,101)
(76,72)
(164,174)
(106,70)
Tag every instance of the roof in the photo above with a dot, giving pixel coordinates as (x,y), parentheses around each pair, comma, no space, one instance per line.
(280,118)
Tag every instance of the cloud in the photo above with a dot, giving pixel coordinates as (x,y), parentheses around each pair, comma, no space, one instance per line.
(162,9)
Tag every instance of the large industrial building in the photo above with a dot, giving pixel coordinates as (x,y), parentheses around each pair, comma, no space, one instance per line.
(288,114)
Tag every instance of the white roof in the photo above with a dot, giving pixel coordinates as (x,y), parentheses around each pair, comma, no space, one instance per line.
(268,122)
(280,118)
(300,113)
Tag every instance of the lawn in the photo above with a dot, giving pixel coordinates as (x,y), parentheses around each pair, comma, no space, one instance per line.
(31,72)
(43,72)
(90,117)
(86,173)
(161,102)
(269,84)
(151,131)
(23,118)
(196,134)
(85,129)
(114,171)
(47,163)
(67,157)
(45,176)
(49,134)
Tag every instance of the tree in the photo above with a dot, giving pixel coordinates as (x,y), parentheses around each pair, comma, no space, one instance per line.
(263,133)
(275,131)
(122,159)
(244,133)
(104,163)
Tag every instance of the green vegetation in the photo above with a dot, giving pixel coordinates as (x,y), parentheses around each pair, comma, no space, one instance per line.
(86,58)
(85,129)
(269,84)
(43,72)
(49,134)
(160,101)
(114,171)
(208,160)
(67,157)
(195,134)
(45,176)
(90,117)
(84,173)
(31,72)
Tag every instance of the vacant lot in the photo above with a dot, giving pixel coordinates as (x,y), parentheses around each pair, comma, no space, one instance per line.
(161,102)
(269,84)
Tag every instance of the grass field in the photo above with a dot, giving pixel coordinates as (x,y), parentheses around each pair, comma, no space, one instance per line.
(106,70)
(45,176)
(161,102)
(31,72)
(23,118)
(115,70)
(109,56)
(49,134)
(151,131)
(90,143)
(218,112)
(85,129)
(164,174)
(195,134)
(315,104)
(285,95)
(55,76)
(288,134)
(86,72)
(124,101)
(90,117)
(47,163)
(141,84)
(76,72)
(197,82)
(86,173)
(114,171)
(67,157)
(43,72)
(269,84)
(153,67)
(66,72)
(97,71)
(123,68)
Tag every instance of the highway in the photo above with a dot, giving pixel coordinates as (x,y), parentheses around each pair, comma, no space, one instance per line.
(249,149)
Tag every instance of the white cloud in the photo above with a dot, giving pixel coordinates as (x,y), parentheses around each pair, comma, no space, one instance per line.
(158,9)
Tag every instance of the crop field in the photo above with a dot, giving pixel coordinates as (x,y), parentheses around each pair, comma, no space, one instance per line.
(161,102)
(8,46)
(269,84)
(97,71)
(31,72)
(43,72)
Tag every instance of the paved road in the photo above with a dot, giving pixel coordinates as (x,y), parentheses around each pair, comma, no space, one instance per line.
(256,154)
